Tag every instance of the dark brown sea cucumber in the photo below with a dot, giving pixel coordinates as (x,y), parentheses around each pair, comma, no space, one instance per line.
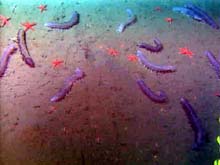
(7,52)
(22,45)
(68,83)
(74,20)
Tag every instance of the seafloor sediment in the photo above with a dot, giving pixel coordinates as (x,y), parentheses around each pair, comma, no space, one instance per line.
(105,118)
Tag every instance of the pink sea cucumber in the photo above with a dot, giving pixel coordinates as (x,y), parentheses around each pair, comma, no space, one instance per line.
(74,20)
(68,83)
(22,45)
(7,52)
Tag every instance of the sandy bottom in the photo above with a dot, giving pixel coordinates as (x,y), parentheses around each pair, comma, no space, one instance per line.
(106,119)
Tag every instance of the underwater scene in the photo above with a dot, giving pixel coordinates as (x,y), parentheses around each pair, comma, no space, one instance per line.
(98,82)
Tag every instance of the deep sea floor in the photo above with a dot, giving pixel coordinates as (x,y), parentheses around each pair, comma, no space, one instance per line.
(105,118)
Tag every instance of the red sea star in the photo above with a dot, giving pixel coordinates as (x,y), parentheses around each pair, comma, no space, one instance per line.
(112,52)
(4,20)
(132,57)
(186,51)
(42,8)
(28,25)
(56,62)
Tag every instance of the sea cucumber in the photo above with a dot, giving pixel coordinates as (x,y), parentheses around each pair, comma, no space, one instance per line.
(68,83)
(159,96)
(74,20)
(215,64)
(7,52)
(151,48)
(195,122)
(196,13)
(22,45)
(158,68)
(188,13)
(131,20)
(205,17)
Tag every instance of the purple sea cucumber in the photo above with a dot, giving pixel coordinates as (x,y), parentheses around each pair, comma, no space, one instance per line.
(215,64)
(151,48)
(74,20)
(205,17)
(158,68)
(131,20)
(195,122)
(68,83)
(4,60)
(188,13)
(159,96)
(22,45)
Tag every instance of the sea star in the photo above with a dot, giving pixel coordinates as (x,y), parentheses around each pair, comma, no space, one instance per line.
(169,20)
(28,25)
(132,57)
(112,52)
(217,93)
(186,51)
(56,62)
(157,8)
(4,20)
(42,8)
